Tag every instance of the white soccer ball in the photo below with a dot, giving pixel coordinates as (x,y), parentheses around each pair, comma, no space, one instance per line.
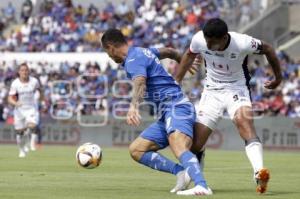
(89,155)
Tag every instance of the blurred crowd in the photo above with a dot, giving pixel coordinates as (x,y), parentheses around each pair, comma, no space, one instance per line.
(62,26)
(68,89)
(72,89)
(86,89)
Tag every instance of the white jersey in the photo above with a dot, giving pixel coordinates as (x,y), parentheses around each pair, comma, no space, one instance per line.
(228,68)
(25,92)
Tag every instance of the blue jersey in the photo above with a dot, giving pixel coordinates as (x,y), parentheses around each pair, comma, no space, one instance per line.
(160,86)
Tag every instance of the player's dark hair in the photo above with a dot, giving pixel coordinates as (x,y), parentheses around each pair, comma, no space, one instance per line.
(22,64)
(114,37)
(216,28)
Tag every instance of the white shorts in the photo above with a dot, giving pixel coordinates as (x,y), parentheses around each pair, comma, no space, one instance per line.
(22,117)
(213,103)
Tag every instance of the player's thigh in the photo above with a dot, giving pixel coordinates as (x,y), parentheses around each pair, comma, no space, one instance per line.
(19,122)
(32,118)
(151,139)
(239,108)
(139,146)
(235,100)
(243,120)
(156,135)
(210,109)
(201,135)
(179,124)
(181,118)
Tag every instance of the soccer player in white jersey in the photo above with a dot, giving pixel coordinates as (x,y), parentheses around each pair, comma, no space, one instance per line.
(225,57)
(26,116)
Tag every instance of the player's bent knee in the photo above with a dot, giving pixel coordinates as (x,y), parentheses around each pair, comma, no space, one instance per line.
(197,146)
(32,127)
(134,152)
(20,131)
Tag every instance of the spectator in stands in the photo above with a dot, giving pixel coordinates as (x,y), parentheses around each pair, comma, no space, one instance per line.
(9,13)
(26,10)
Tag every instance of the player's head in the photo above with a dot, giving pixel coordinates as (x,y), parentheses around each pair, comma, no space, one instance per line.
(113,42)
(23,71)
(216,34)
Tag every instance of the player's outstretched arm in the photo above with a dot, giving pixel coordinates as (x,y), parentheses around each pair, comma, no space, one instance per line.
(139,87)
(185,63)
(170,53)
(269,52)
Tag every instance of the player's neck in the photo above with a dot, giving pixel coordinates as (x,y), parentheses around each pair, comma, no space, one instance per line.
(24,80)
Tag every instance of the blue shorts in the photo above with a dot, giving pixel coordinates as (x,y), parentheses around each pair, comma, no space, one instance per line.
(179,117)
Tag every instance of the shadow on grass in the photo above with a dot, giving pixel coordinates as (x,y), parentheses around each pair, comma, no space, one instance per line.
(248,191)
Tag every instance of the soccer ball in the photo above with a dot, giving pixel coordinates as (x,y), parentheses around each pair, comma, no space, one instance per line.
(89,155)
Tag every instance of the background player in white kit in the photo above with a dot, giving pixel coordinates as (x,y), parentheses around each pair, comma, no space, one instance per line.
(225,57)
(22,96)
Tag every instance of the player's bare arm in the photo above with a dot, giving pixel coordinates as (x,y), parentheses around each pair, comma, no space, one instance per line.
(12,101)
(185,64)
(139,87)
(170,53)
(269,52)
(173,54)
(42,96)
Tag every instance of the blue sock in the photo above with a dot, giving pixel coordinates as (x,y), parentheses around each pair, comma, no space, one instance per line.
(191,164)
(158,162)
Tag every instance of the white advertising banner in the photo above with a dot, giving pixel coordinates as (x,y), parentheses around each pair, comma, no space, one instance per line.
(275,133)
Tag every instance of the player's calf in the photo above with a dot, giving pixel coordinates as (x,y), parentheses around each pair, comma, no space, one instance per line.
(180,144)
(134,152)
(144,152)
(20,142)
(32,131)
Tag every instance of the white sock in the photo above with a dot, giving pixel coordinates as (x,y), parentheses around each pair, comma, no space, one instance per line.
(20,141)
(254,152)
(27,139)
(33,140)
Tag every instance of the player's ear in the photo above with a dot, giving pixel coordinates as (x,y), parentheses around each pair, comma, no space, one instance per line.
(111,46)
(225,38)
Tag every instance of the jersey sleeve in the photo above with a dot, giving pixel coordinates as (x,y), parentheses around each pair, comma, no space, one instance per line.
(252,45)
(136,67)
(13,89)
(197,43)
(155,51)
(37,84)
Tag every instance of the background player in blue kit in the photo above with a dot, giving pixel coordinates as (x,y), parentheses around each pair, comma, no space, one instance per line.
(177,115)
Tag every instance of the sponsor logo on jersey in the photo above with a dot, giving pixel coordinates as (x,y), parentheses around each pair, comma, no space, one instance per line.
(207,52)
(219,54)
(253,44)
(233,56)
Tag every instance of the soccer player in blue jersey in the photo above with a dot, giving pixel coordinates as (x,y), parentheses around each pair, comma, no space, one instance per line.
(174,127)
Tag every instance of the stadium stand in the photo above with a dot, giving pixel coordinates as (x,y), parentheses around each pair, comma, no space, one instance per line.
(61,26)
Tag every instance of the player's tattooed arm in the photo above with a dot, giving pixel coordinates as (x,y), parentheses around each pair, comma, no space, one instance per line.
(269,52)
(186,62)
(139,88)
(170,53)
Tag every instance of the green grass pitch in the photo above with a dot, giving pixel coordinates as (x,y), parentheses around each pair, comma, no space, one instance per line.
(52,172)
